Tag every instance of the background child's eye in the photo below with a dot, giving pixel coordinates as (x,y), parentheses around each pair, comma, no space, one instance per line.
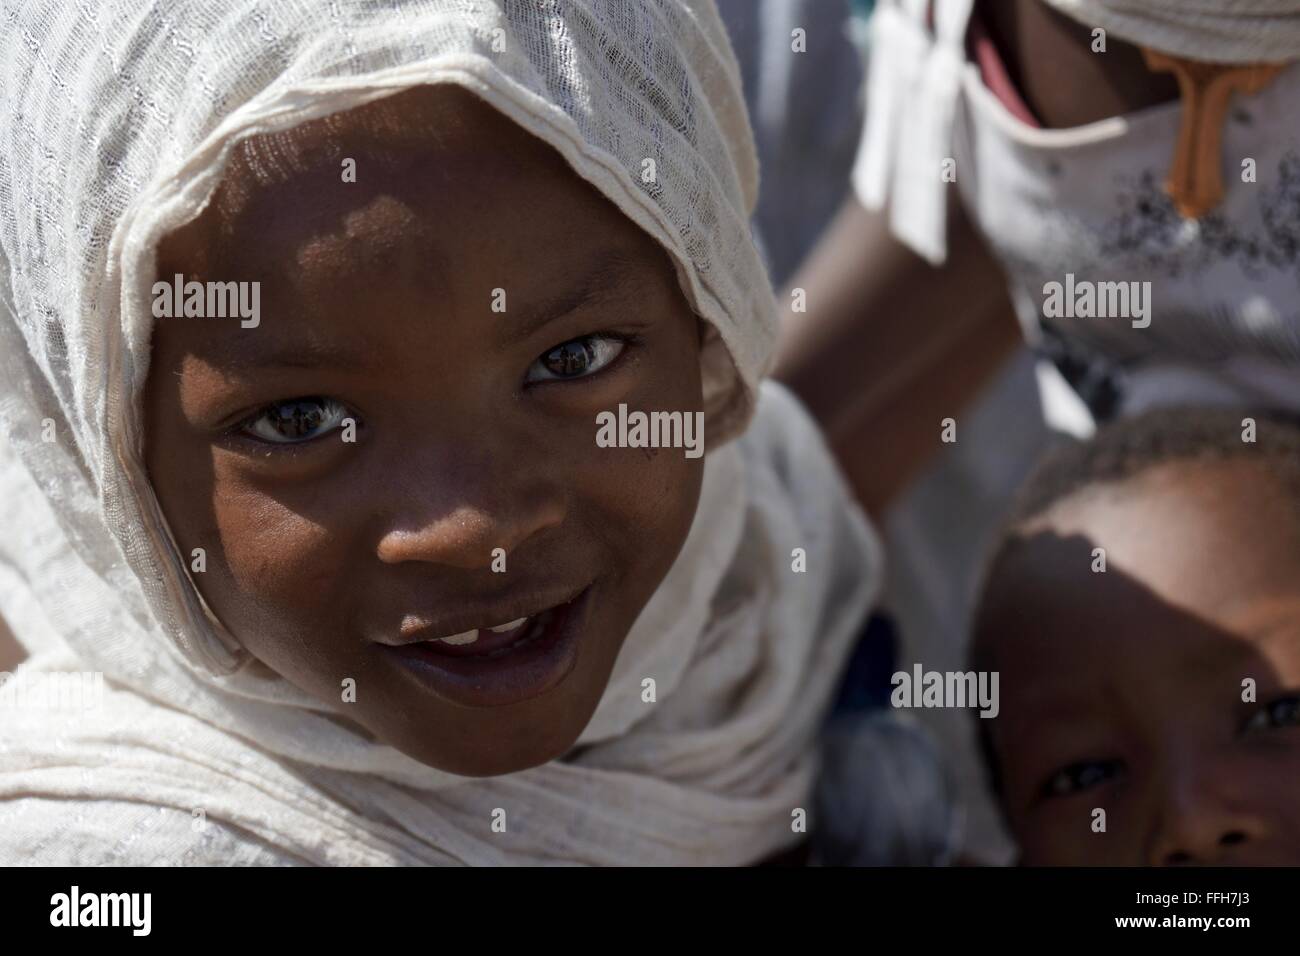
(1281,712)
(577,358)
(1080,776)
(297,420)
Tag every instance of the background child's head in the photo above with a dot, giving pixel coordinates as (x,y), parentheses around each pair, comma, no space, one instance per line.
(474,426)
(1143,610)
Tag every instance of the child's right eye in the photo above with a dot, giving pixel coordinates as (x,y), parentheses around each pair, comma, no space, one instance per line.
(295,421)
(1280,712)
(1081,776)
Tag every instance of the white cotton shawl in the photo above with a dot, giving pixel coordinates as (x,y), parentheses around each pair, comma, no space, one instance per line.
(1216,31)
(917,55)
(116,119)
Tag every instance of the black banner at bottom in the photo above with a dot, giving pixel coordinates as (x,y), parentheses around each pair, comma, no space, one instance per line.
(225,905)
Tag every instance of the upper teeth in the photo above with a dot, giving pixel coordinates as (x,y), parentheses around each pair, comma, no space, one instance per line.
(469,637)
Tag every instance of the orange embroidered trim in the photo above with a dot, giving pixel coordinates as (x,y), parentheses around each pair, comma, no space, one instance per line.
(1196,180)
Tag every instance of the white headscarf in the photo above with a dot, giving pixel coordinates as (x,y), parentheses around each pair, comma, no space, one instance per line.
(116,121)
(1216,31)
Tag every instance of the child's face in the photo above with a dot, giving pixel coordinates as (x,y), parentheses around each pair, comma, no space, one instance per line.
(474,430)
(1123,690)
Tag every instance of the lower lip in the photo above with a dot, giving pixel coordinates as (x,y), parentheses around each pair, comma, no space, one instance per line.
(514,676)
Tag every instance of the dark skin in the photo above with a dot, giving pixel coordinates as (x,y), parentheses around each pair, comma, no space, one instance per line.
(1123,690)
(1051,61)
(376,305)
(856,358)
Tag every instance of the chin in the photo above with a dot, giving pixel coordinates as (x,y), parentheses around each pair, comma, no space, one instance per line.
(506,745)
(487,764)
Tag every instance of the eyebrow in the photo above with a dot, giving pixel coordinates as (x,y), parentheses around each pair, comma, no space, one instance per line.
(599,284)
(248,354)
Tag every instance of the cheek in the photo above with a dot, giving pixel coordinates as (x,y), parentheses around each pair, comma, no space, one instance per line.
(649,495)
(275,573)
(275,556)
(282,586)
(1265,779)
(1060,832)
(1062,837)
(268,568)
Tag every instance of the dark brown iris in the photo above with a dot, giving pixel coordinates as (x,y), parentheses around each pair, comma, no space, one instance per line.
(570,359)
(299,419)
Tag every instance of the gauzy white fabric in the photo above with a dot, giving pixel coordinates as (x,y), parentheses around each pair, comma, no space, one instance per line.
(1216,31)
(116,120)
(914,81)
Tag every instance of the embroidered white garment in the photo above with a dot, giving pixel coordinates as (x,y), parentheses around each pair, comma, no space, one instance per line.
(918,48)
(1088,203)
(1085,208)
(116,121)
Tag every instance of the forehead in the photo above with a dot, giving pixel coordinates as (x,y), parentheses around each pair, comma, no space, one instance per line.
(1195,548)
(427,132)
(431,166)
(451,201)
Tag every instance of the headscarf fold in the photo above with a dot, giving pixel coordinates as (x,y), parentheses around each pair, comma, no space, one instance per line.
(116,122)
(1215,31)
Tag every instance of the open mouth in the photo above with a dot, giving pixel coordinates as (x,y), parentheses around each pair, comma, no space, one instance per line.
(502,663)
(497,640)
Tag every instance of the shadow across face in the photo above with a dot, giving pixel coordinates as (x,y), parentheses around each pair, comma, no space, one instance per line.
(1150,711)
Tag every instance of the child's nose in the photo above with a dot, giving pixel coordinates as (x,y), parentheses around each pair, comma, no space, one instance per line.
(474,519)
(467,537)
(1201,818)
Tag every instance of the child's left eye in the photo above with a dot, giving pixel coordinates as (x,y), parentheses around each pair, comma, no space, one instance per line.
(1282,712)
(577,358)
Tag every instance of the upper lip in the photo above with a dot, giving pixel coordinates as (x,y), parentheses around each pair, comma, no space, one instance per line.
(474,614)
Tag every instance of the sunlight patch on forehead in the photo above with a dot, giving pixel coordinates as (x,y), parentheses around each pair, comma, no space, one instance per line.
(383,236)
(389,136)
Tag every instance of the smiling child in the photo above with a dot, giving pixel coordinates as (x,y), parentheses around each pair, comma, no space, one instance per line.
(363,584)
(473,428)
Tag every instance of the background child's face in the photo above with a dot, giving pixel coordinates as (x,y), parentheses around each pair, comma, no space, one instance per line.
(1123,690)
(473,432)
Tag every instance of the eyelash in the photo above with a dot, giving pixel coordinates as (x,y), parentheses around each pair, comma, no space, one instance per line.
(1266,711)
(627,340)
(1050,791)
(1266,717)
(241,430)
